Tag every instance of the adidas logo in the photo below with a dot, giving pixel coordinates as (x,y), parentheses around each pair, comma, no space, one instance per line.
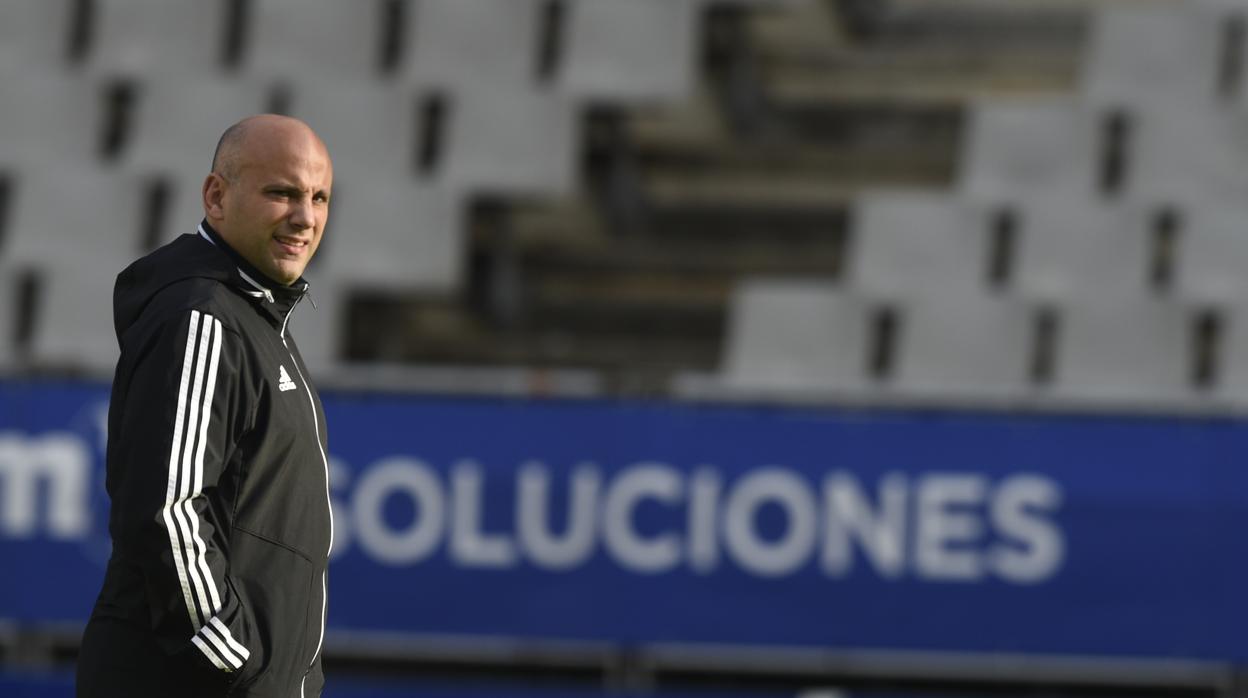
(284,382)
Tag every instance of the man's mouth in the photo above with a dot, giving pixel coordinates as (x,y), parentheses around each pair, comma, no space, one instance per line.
(291,246)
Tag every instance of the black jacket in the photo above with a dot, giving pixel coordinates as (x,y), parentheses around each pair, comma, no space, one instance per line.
(217,472)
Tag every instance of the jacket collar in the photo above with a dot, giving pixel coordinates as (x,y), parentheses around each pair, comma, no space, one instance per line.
(277,300)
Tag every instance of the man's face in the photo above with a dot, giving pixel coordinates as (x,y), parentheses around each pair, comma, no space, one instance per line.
(273,211)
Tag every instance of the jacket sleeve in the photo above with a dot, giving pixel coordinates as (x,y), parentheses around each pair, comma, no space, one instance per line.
(181,415)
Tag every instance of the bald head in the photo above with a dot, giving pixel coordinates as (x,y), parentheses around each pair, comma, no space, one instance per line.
(244,136)
(268,193)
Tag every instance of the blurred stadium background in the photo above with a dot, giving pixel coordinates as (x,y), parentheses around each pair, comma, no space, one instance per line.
(743,348)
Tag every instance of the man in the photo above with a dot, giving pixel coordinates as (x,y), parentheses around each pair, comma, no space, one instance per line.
(216,460)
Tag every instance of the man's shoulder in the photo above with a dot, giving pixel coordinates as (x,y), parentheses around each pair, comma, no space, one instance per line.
(173,302)
(185,275)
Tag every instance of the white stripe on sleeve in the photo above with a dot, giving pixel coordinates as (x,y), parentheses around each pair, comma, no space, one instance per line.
(201,562)
(210,633)
(234,644)
(186,491)
(210,653)
(170,512)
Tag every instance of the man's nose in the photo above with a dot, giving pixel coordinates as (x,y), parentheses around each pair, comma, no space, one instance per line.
(302,216)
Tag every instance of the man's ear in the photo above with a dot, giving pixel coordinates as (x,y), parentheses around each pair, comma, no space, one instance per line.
(214,197)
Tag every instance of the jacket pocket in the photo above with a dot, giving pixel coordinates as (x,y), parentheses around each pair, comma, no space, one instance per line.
(276,581)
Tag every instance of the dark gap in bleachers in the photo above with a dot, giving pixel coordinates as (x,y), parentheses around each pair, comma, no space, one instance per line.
(236,32)
(839,238)
(1002,243)
(393,35)
(8,340)
(1046,328)
(432,131)
(611,167)
(6,201)
(862,20)
(373,319)
(550,40)
(156,200)
(119,100)
(846,240)
(731,65)
(1231,63)
(883,340)
(1207,333)
(716,48)
(495,281)
(29,288)
(81,22)
(1165,226)
(1116,133)
(279,99)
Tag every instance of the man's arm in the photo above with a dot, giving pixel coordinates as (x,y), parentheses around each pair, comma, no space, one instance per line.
(179,423)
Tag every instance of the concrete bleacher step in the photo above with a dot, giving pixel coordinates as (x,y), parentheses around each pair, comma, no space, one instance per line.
(441,332)
(655,254)
(918,52)
(809,225)
(688,138)
(854,162)
(990,23)
(648,290)
(754,174)
(783,195)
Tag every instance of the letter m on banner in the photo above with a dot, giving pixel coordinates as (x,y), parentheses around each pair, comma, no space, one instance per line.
(53,469)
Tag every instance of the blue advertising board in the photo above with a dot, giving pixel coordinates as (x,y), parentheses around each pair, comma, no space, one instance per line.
(638,522)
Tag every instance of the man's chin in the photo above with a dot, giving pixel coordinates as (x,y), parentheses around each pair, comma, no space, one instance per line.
(286,272)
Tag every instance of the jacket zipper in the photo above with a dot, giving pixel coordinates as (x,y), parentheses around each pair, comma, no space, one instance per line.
(316,424)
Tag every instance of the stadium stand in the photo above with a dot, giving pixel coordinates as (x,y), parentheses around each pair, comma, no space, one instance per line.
(1154,52)
(402,236)
(976,349)
(8,320)
(1124,351)
(918,245)
(1016,147)
(147,38)
(1189,150)
(1210,268)
(796,336)
(1070,250)
(72,214)
(630,52)
(73,229)
(73,328)
(321,40)
(174,121)
(1020,205)
(510,142)
(35,36)
(49,118)
(580,189)
(374,126)
(481,43)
